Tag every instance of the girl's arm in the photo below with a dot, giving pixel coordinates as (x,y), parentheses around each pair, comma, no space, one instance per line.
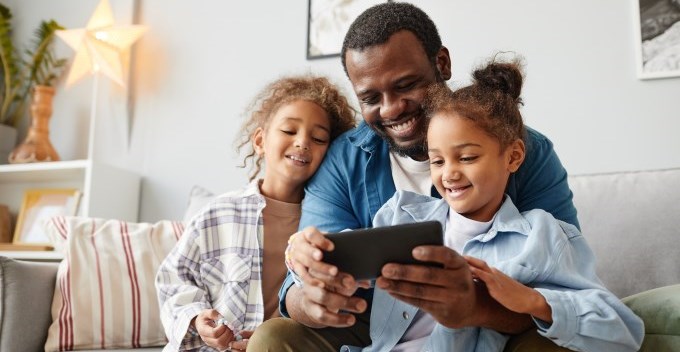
(180,292)
(509,292)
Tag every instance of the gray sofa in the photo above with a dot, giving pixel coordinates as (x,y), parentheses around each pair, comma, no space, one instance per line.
(631,220)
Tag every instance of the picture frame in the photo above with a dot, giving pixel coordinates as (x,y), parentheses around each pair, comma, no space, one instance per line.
(328,22)
(38,206)
(657,35)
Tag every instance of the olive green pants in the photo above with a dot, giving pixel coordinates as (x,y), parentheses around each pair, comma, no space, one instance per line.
(282,334)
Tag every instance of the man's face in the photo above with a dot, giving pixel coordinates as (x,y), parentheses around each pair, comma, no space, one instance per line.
(390,81)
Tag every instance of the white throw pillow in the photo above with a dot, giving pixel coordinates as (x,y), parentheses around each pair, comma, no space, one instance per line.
(105,295)
(198,198)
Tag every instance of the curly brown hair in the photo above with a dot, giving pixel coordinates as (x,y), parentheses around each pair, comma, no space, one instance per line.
(491,101)
(315,89)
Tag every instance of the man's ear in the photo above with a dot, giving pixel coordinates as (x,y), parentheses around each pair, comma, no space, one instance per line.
(516,154)
(258,141)
(443,62)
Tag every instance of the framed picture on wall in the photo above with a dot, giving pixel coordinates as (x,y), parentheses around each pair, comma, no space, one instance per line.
(38,206)
(327,23)
(657,31)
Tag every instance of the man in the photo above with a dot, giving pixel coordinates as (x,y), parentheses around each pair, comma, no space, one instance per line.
(391,54)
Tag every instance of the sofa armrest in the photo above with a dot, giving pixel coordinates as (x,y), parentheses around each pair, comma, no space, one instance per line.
(26,290)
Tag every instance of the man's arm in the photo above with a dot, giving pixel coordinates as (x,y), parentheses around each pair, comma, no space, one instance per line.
(541,181)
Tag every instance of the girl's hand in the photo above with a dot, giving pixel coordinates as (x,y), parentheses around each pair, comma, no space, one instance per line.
(509,292)
(214,335)
(240,341)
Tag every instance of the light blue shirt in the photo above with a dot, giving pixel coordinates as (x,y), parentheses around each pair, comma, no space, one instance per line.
(532,247)
(355,180)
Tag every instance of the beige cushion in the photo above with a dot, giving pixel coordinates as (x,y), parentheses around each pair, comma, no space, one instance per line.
(632,222)
(105,295)
(199,197)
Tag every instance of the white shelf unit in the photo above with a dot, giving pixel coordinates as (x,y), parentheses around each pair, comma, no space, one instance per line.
(107,191)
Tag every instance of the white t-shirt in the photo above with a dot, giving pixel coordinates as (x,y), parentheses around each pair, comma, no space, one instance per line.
(412,175)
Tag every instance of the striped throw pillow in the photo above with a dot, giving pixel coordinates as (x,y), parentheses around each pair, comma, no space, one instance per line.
(105,295)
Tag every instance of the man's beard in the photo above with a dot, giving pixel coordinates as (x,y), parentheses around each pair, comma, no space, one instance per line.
(415,151)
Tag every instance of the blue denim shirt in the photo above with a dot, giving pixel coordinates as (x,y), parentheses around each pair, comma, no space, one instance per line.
(355,180)
(534,249)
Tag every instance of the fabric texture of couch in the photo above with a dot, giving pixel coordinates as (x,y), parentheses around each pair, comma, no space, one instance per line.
(630,219)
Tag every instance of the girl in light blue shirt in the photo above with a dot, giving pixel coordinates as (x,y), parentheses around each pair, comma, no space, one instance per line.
(530,262)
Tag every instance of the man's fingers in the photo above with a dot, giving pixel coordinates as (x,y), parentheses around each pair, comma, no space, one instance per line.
(439,254)
(415,290)
(316,238)
(416,273)
(333,301)
(342,283)
(306,248)
(330,319)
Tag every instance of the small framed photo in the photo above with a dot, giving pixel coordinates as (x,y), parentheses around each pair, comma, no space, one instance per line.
(328,22)
(657,32)
(38,206)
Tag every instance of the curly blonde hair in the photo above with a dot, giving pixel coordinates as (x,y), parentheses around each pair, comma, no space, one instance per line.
(315,89)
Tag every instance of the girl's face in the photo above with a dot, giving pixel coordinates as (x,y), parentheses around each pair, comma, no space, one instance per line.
(293,143)
(468,167)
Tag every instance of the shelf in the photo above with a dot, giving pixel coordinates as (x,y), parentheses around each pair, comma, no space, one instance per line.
(54,171)
(108,191)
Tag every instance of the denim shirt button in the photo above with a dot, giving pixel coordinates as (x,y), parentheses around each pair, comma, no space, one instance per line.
(404,315)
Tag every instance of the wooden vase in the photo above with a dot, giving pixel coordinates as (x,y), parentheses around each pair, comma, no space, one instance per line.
(37,146)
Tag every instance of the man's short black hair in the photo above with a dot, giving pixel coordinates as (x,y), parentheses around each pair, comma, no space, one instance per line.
(377,24)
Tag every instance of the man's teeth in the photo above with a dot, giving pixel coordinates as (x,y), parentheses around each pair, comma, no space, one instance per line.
(402,126)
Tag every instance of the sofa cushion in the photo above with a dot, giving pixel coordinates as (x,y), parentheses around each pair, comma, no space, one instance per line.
(105,295)
(632,222)
(199,197)
(25,297)
(660,310)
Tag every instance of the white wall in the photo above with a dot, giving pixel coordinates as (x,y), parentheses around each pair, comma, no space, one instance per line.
(201,62)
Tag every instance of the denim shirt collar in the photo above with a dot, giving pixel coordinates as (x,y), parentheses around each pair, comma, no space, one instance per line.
(365,138)
(508,218)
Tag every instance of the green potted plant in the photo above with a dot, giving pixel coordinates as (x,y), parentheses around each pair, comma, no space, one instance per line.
(20,75)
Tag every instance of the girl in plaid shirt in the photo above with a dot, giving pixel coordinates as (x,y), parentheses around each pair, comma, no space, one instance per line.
(221,279)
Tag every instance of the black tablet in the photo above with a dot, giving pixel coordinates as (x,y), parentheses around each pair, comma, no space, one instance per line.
(362,253)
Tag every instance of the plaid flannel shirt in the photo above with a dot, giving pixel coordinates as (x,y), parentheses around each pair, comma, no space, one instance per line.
(216,264)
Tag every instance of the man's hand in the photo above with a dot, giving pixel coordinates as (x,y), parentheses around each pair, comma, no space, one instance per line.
(448,293)
(325,298)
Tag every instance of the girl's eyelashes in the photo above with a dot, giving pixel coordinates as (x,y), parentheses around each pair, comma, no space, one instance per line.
(316,140)
(467,159)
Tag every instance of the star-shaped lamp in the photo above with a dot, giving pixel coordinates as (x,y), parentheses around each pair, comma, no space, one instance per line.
(102,46)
